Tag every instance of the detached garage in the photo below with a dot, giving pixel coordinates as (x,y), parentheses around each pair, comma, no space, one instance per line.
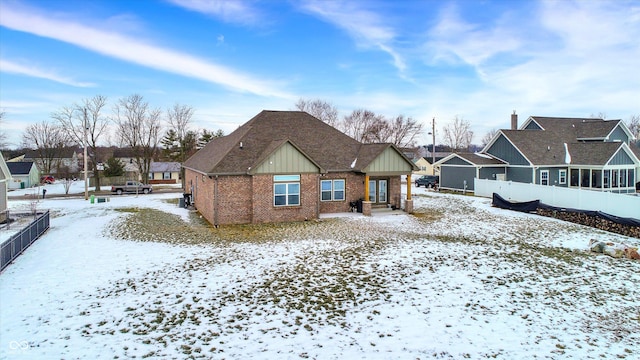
(458,170)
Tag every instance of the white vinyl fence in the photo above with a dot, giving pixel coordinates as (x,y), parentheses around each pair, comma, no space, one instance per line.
(621,205)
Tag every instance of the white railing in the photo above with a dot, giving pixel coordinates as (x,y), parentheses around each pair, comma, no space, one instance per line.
(622,205)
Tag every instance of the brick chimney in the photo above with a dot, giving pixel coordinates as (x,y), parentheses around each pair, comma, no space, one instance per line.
(514,121)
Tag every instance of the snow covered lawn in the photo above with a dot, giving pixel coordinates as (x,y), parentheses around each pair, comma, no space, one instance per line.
(139,277)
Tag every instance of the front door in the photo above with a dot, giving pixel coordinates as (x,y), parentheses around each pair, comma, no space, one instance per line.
(378,191)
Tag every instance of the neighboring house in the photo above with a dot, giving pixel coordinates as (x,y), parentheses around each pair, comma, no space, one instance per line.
(68,161)
(457,171)
(25,174)
(127,158)
(290,166)
(425,166)
(5,178)
(164,173)
(592,154)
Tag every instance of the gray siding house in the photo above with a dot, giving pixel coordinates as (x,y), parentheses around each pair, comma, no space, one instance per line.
(457,171)
(592,154)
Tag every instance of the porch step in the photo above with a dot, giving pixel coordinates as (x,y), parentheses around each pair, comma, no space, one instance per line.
(384,211)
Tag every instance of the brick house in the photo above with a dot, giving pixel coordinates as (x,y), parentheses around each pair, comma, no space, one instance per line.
(290,166)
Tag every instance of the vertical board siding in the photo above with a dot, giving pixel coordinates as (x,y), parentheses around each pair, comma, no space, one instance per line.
(503,149)
(388,161)
(286,160)
(621,158)
(618,135)
(454,176)
(523,174)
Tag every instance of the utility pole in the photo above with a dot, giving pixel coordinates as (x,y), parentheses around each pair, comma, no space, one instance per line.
(86,184)
(433,148)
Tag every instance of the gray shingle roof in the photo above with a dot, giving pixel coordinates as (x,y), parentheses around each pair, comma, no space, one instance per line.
(483,159)
(539,147)
(19,167)
(546,147)
(329,148)
(160,166)
(594,153)
(573,129)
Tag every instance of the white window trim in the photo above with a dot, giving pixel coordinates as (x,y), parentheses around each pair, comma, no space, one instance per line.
(286,180)
(545,172)
(562,174)
(333,190)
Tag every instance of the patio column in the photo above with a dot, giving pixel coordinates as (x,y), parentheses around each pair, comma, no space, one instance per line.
(366,204)
(408,204)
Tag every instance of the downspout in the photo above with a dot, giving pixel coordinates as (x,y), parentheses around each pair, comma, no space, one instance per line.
(318,195)
(409,186)
(215,201)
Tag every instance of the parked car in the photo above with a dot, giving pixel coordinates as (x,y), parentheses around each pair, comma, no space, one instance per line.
(47,179)
(428,181)
(132,187)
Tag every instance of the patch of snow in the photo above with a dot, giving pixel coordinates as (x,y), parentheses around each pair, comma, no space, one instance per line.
(482,155)
(474,281)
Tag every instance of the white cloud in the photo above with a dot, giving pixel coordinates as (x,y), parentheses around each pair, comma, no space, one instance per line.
(32,71)
(365,27)
(235,11)
(563,59)
(453,40)
(135,51)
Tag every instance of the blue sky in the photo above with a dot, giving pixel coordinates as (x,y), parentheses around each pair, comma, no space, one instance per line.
(479,60)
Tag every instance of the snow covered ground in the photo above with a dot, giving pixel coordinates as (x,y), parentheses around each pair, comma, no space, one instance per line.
(140,277)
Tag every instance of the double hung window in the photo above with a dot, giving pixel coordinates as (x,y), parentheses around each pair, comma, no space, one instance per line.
(286,190)
(562,177)
(332,190)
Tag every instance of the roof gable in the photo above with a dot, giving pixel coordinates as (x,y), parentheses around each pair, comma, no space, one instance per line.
(20,168)
(247,147)
(388,160)
(506,146)
(602,154)
(284,157)
(471,159)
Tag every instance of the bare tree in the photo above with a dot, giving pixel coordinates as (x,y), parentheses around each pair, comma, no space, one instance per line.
(138,127)
(488,137)
(458,134)
(179,118)
(48,140)
(600,115)
(403,132)
(362,125)
(634,125)
(86,122)
(320,109)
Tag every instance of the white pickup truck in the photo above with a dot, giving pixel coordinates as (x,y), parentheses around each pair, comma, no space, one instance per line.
(132,187)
